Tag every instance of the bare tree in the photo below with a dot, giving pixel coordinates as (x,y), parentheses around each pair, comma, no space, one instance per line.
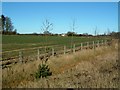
(95,31)
(108,31)
(46,27)
(73,28)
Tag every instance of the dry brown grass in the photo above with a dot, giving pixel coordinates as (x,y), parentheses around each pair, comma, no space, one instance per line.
(21,72)
(64,62)
(87,68)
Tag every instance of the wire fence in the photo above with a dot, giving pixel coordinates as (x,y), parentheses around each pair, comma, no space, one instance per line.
(39,53)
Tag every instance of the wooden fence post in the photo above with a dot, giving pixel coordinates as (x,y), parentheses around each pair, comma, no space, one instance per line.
(81,46)
(38,51)
(93,45)
(52,51)
(20,56)
(88,45)
(98,43)
(74,48)
(45,49)
(102,42)
(64,50)
(105,42)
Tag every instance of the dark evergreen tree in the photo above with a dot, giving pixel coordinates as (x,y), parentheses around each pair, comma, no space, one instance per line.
(3,22)
(43,71)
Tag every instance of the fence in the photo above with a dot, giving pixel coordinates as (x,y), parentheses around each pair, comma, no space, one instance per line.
(40,53)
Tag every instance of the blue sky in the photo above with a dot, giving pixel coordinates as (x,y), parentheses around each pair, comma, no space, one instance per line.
(27,17)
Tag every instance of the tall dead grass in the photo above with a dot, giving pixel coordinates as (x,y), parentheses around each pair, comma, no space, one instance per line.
(64,62)
(63,67)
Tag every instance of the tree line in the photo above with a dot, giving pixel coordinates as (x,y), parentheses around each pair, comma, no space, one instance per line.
(6,26)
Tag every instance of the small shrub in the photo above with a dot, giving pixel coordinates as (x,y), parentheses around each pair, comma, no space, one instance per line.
(43,71)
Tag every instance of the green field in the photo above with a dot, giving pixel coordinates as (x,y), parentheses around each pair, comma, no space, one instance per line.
(13,42)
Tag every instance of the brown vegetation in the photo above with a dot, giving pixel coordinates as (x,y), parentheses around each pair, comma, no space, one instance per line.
(92,68)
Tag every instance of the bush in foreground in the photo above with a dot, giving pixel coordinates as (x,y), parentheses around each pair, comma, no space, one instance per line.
(43,71)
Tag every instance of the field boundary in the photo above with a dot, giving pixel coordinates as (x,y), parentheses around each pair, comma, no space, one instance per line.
(43,53)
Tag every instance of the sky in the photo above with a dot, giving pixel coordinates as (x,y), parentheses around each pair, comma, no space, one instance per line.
(60,0)
(27,17)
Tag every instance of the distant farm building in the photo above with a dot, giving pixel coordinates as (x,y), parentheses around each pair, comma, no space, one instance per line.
(63,35)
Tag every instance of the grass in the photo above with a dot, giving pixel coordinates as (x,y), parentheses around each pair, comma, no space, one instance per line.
(28,44)
(13,42)
(84,69)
